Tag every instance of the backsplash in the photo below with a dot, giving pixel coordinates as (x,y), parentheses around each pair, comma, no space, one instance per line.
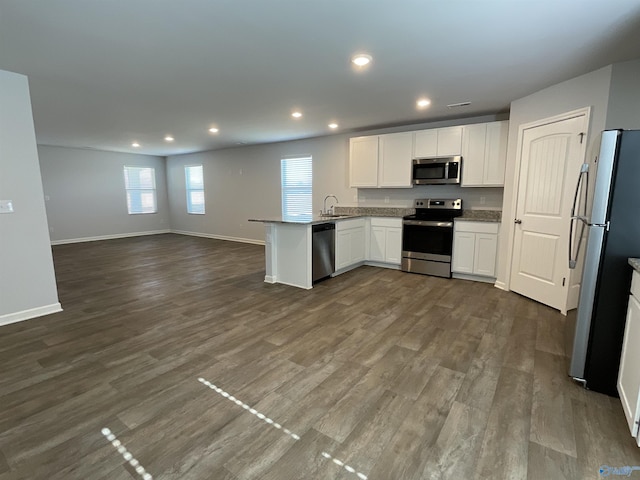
(472,198)
(375,211)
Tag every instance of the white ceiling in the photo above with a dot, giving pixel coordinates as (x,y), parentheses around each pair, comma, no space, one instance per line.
(104,73)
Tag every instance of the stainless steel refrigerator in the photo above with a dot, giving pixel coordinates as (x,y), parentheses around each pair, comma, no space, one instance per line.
(606,220)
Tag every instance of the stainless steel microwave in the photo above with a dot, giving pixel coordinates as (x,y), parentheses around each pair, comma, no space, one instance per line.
(437,170)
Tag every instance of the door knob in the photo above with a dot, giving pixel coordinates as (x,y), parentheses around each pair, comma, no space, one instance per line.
(518,221)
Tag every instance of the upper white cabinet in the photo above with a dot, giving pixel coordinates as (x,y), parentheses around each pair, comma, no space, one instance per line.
(438,142)
(384,161)
(629,375)
(363,161)
(484,154)
(381,160)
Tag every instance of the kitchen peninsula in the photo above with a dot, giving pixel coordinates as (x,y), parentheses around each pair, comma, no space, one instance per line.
(289,242)
(288,248)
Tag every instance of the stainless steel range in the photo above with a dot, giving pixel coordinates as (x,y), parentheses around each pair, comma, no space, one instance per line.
(427,236)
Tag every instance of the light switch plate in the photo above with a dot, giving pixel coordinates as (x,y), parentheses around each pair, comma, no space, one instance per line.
(6,206)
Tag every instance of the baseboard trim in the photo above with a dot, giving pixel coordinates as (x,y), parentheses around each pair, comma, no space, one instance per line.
(474,278)
(29,314)
(219,237)
(391,266)
(501,285)
(108,237)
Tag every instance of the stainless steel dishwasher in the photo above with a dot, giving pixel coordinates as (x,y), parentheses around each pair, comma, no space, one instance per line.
(324,248)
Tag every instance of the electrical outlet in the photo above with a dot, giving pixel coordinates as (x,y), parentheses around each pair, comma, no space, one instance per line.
(386,199)
(483,200)
(6,206)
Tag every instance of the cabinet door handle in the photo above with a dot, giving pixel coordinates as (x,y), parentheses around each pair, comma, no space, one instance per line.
(518,221)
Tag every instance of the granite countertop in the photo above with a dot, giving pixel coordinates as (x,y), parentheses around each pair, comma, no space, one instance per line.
(355,212)
(635,263)
(480,216)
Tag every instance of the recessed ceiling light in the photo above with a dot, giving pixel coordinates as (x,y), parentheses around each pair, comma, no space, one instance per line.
(423,102)
(361,59)
(333,125)
(214,130)
(169,138)
(296,114)
(135,144)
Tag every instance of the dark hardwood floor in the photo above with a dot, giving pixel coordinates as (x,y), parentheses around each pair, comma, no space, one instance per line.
(376,373)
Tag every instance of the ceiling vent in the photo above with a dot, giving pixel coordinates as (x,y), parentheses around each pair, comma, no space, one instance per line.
(456,105)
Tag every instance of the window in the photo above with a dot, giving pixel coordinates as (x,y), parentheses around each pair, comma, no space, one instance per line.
(296,188)
(140,184)
(195,189)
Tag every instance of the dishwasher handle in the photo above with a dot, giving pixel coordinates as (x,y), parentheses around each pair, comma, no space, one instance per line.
(321,227)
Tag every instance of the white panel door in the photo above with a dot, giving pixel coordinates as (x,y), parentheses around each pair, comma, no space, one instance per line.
(393,245)
(357,245)
(484,262)
(343,248)
(629,376)
(425,143)
(395,160)
(363,161)
(473,154)
(495,153)
(378,241)
(463,252)
(449,141)
(550,156)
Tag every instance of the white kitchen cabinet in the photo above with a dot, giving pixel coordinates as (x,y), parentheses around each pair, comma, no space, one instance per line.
(385,240)
(484,154)
(438,142)
(425,143)
(363,161)
(395,160)
(464,248)
(475,247)
(382,161)
(350,243)
(629,374)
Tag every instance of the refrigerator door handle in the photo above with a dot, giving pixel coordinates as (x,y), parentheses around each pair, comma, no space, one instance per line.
(584,175)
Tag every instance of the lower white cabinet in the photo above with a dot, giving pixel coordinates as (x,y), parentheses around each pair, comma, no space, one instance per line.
(350,243)
(475,247)
(629,374)
(385,240)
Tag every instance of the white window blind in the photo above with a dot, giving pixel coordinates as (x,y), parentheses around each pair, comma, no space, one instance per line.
(194,177)
(297,179)
(140,185)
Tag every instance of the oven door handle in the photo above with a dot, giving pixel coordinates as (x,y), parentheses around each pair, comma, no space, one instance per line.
(428,223)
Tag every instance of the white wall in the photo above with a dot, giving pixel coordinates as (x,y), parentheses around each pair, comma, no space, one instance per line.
(243,183)
(27,278)
(85,195)
(589,90)
(624,97)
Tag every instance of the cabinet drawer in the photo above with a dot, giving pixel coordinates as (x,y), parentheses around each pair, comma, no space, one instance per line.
(477,227)
(386,222)
(350,223)
(635,285)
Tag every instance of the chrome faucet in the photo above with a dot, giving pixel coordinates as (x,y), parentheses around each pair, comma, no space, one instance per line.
(325,211)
